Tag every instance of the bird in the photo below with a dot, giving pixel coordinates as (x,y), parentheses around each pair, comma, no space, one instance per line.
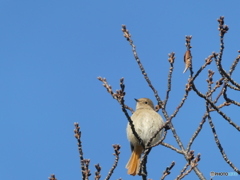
(187,60)
(146,123)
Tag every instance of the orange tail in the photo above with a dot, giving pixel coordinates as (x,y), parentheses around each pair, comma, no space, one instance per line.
(134,161)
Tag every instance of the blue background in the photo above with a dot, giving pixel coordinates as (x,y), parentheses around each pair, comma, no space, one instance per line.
(52,52)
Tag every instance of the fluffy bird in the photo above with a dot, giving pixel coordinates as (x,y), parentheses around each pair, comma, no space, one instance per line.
(146,123)
(187,60)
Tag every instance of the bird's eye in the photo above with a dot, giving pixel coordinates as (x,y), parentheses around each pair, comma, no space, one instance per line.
(145,102)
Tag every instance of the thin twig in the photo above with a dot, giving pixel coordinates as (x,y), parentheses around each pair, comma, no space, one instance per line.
(218,142)
(84,162)
(219,83)
(235,62)
(127,35)
(233,87)
(208,61)
(183,170)
(195,134)
(172,147)
(221,106)
(223,30)
(167,170)
(171,61)
(97,173)
(85,170)
(180,105)
(229,101)
(119,96)
(216,108)
(193,165)
(116,154)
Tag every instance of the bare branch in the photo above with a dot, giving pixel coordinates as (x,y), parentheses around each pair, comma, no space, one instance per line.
(195,134)
(221,106)
(160,103)
(97,173)
(84,162)
(233,87)
(208,61)
(223,29)
(229,101)
(167,171)
(172,147)
(193,164)
(216,108)
(85,170)
(117,152)
(218,142)
(235,62)
(119,96)
(171,61)
(128,37)
(218,85)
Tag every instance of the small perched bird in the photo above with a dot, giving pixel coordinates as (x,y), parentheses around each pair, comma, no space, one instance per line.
(146,123)
(187,60)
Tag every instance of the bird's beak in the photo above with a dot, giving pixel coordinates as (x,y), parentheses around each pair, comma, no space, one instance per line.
(136,99)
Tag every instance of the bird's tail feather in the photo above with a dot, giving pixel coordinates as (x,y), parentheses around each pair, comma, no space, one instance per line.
(134,161)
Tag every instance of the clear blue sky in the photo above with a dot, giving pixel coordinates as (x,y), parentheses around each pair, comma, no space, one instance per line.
(52,52)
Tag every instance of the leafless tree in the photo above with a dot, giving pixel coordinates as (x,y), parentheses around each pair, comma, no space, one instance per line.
(225,84)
